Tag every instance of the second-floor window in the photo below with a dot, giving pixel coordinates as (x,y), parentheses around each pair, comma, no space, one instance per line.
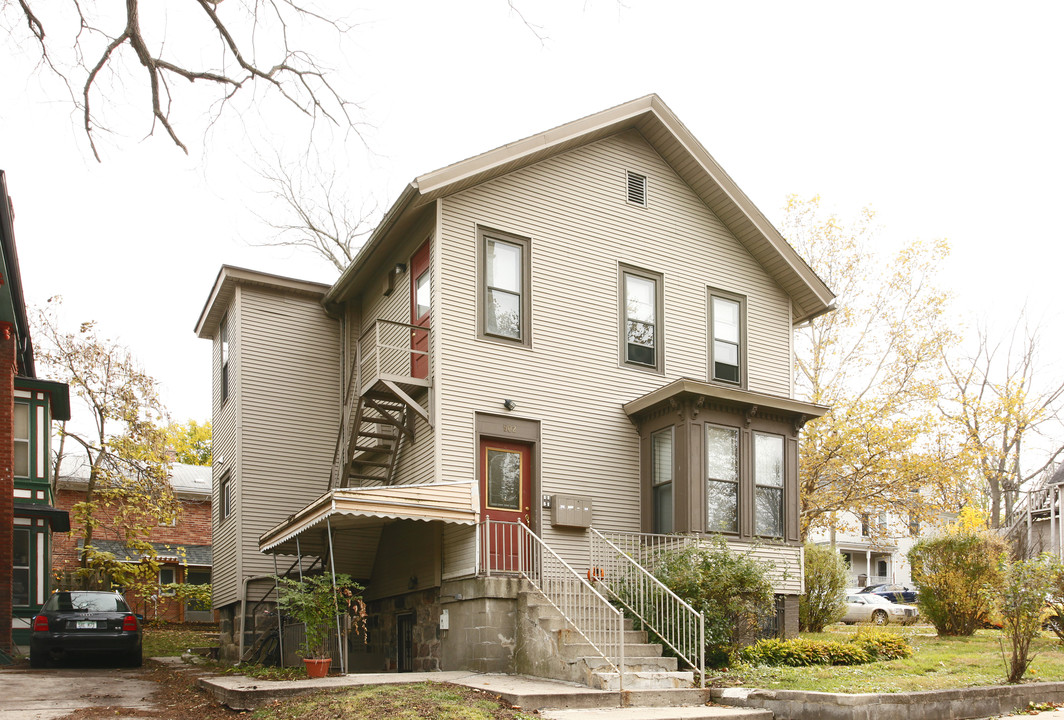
(768,485)
(21,432)
(722,481)
(726,324)
(223,356)
(505,291)
(641,318)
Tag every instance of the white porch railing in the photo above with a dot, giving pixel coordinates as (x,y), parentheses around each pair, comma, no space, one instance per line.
(387,351)
(614,566)
(512,548)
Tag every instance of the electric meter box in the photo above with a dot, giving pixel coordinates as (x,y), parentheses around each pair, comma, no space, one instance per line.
(570,511)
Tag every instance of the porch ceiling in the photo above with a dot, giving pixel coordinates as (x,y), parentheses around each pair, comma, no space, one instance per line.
(367,509)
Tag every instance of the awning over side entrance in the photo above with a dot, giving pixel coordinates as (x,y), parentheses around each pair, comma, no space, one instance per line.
(361,508)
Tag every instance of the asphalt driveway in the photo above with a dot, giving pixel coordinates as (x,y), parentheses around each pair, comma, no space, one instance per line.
(27,694)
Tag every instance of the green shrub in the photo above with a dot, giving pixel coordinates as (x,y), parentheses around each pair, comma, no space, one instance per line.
(1021,601)
(952,572)
(882,645)
(865,647)
(825,588)
(731,590)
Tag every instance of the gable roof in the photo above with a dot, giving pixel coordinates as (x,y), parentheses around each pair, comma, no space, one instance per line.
(229,276)
(668,136)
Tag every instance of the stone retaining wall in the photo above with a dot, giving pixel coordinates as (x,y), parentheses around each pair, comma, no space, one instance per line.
(977,702)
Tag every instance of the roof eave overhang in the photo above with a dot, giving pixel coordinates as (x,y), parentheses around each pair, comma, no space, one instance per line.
(684,387)
(663,130)
(229,276)
(58,394)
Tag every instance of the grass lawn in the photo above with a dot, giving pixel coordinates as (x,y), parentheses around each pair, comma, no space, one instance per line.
(937,664)
(172,640)
(394,702)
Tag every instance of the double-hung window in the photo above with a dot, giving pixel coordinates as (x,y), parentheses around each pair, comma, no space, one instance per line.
(21,433)
(504,268)
(726,324)
(223,356)
(225,498)
(661,445)
(768,485)
(167,578)
(722,479)
(21,567)
(641,300)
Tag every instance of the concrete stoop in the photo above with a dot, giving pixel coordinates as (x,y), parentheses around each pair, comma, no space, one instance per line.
(552,649)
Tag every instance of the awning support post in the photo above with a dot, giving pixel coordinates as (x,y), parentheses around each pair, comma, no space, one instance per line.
(280,628)
(299,559)
(342,649)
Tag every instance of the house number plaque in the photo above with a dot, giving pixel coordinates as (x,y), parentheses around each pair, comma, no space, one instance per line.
(509,428)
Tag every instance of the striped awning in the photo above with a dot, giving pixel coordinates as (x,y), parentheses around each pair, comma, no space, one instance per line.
(352,508)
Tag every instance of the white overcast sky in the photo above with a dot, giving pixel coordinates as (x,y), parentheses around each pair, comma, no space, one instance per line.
(946,118)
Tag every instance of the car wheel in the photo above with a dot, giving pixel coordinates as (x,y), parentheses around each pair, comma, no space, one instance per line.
(37,660)
(135,658)
(879,617)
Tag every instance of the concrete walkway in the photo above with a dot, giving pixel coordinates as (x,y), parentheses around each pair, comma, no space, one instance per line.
(559,700)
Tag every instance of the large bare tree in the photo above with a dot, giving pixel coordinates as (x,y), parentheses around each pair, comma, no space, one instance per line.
(999,405)
(232,46)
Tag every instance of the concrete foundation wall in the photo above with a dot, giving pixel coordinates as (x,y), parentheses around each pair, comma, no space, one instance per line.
(481,615)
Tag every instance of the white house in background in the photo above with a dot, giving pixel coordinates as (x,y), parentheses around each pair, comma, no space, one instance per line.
(875,548)
(576,347)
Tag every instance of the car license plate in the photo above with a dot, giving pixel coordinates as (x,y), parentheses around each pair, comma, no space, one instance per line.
(86,625)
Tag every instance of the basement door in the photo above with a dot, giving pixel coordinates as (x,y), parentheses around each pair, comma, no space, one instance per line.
(505,498)
(420,294)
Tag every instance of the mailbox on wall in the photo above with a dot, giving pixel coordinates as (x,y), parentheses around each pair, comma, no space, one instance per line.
(570,511)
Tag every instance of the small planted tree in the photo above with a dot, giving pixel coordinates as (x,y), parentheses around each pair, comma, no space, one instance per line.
(730,589)
(825,588)
(953,573)
(317,601)
(1021,598)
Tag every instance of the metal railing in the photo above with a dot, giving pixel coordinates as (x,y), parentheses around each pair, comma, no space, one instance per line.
(512,548)
(1036,500)
(661,611)
(386,351)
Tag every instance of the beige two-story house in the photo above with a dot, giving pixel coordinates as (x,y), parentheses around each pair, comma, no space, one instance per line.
(549,361)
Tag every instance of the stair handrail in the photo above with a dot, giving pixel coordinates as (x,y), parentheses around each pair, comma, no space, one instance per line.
(565,589)
(1035,499)
(343,433)
(372,357)
(659,609)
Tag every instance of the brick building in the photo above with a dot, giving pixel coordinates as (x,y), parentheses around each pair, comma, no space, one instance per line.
(27,407)
(182,549)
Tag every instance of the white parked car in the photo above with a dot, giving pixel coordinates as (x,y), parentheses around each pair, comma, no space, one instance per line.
(876,609)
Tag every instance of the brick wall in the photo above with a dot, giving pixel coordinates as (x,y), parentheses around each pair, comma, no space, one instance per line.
(7,481)
(193,528)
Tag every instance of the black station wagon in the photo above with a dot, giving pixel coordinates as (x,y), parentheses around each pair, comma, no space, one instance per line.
(86,622)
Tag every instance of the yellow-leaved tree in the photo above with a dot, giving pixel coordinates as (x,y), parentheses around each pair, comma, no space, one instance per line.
(877,361)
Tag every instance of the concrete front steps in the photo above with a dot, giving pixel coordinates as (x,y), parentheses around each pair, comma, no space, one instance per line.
(572,658)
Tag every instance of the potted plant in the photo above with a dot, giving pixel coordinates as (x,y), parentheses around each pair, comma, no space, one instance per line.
(316,601)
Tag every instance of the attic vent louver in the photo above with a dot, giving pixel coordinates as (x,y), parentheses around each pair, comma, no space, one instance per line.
(637,189)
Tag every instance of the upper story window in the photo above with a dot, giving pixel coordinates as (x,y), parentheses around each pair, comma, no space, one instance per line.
(225,498)
(505,299)
(21,433)
(768,485)
(223,356)
(728,338)
(661,480)
(722,479)
(641,317)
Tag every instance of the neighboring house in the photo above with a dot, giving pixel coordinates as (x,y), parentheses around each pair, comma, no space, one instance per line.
(875,548)
(28,406)
(586,333)
(183,550)
(1034,525)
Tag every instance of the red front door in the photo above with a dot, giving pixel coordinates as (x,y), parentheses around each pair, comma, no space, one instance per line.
(505,498)
(420,295)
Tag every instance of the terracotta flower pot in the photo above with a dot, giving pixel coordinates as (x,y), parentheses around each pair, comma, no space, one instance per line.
(317,667)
